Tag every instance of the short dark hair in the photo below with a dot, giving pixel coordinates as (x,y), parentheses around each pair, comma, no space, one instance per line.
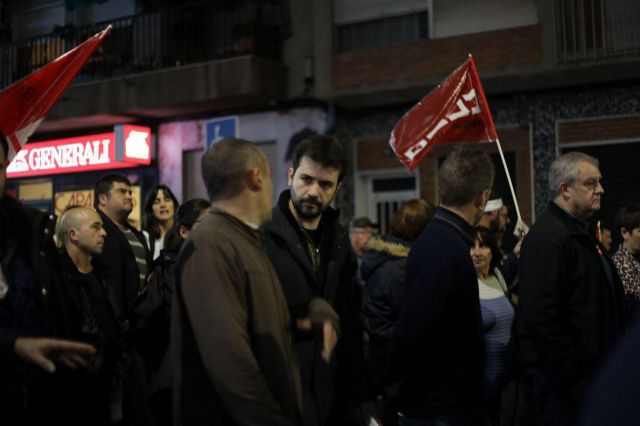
(324,150)
(464,174)
(361,222)
(149,221)
(410,219)
(628,217)
(104,185)
(488,239)
(225,165)
(186,216)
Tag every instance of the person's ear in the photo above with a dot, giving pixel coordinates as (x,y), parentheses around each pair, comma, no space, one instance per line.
(183,232)
(564,190)
(73,235)
(102,199)
(290,176)
(255,179)
(482,199)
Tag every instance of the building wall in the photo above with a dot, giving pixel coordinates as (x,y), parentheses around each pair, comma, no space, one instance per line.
(540,110)
(458,17)
(428,61)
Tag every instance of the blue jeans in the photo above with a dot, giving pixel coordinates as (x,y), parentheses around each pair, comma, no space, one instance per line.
(441,420)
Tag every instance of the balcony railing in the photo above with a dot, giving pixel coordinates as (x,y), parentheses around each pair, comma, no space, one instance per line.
(589,30)
(167,38)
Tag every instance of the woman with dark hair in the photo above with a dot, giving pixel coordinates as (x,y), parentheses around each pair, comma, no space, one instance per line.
(159,209)
(497,312)
(151,316)
(383,269)
(627,258)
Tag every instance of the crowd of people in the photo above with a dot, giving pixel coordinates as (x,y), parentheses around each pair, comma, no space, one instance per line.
(232,311)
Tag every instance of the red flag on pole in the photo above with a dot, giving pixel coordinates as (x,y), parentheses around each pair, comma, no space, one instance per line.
(455,111)
(25,103)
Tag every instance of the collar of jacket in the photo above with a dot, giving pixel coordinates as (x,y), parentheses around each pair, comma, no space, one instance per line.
(390,245)
(69,268)
(461,226)
(253,234)
(114,229)
(112,226)
(575,225)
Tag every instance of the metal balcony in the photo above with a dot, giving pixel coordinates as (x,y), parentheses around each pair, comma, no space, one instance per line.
(167,38)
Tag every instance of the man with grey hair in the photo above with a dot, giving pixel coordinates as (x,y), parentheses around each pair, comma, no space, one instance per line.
(570,300)
(236,362)
(437,352)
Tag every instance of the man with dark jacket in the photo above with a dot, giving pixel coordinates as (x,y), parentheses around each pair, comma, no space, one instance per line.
(570,306)
(234,356)
(437,352)
(125,248)
(312,255)
(127,257)
(94,318)
(32,311)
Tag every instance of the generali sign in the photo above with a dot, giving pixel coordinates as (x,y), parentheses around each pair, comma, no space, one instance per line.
(126,146)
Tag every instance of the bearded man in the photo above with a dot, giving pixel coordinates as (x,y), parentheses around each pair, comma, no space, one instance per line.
(312,256)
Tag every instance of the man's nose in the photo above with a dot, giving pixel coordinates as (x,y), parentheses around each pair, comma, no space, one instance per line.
(313,190)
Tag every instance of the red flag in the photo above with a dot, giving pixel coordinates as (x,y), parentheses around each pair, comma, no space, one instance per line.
(455,111)
(25,103)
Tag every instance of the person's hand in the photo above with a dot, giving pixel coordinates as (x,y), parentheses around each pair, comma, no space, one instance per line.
(45,352)
(520,230)
(368,412)
(329,335)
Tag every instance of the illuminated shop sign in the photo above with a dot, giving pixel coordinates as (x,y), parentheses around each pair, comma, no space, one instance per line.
(126,146)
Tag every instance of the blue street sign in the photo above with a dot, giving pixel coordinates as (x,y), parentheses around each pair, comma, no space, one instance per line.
(219,128)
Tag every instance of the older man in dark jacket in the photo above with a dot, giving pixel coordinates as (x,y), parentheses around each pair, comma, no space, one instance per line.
(313,258)
(570,312)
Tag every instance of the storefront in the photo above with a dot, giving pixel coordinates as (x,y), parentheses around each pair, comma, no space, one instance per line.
(54,174)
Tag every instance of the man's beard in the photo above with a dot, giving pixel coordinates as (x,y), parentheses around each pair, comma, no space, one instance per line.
(304,210)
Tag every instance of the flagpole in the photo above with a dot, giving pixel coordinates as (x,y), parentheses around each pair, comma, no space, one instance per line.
(506,171)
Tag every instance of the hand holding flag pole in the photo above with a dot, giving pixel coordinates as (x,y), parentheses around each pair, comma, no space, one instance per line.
(25,103)
(455,111)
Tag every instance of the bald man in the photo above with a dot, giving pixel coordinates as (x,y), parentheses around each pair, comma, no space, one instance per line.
(94,315)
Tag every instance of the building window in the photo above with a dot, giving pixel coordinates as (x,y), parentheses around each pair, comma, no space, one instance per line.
(594,29)
(382,32)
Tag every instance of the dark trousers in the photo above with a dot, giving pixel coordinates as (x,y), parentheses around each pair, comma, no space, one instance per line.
(552,403)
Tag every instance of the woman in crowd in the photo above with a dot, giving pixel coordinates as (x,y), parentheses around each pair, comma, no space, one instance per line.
(627,258)
(159,209)
(383,270)
(152,312)
(497,313)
